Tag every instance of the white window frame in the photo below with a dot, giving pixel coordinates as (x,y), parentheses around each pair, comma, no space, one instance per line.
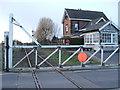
(89,38)
(111,38)
(66,28)
(96,38)
(116,37)
(76,26)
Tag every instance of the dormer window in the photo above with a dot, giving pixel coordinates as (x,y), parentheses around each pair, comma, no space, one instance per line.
(76,26)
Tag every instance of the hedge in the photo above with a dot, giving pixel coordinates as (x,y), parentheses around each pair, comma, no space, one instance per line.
(76,41)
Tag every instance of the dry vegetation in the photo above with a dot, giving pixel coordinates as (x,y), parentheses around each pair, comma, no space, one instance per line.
(45,30)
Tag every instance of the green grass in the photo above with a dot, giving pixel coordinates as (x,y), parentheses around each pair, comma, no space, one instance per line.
(55,58)
(65,55)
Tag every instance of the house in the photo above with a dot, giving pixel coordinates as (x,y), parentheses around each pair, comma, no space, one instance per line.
(93,25)
(101,33)
(75,20)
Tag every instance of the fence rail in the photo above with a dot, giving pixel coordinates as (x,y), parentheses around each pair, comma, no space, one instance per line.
(64,46)
(58,50)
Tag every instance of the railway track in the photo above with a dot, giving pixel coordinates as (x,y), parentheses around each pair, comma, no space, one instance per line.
(37,84)
(35,77)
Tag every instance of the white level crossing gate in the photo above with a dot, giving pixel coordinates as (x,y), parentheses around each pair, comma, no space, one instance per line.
(8,50)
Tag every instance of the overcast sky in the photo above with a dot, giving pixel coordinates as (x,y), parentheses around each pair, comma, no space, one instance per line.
(29,12)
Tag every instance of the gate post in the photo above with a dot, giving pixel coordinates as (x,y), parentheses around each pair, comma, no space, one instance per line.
(82,65)
(6,48)
(102,56)
(10,40)
(60,53)
(36,59)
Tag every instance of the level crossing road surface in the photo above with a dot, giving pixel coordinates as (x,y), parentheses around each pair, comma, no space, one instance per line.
(94,78)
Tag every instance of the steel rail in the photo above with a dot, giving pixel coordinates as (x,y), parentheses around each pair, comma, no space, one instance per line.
(62,73)
(37,84)
(23,58)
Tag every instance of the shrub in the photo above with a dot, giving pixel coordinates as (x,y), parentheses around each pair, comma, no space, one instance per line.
(76,41)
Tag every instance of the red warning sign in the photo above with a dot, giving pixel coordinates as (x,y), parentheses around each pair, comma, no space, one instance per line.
(82,57)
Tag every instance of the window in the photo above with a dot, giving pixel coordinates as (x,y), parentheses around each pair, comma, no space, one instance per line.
(109,38)
(96,38)
(76,26)
(115,38)
(86,38)
(66,27)
(105,38)
(92,38)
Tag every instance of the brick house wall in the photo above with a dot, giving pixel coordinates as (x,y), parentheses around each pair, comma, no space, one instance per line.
(67,22)
(71,26)
(80,25)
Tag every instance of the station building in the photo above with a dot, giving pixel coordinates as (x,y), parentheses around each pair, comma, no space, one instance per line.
(96,28)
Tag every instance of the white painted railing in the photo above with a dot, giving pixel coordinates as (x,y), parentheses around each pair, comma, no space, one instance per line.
(58,48)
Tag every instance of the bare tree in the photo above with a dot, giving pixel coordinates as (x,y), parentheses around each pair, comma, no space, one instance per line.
(45,30)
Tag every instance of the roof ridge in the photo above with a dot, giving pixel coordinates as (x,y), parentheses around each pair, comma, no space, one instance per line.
(85,14)
(83,10)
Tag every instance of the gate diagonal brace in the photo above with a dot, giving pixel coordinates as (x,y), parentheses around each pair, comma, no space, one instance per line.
(47,57)
(18,24)
(92,56)
(71,56)
(111,55)
(23,58)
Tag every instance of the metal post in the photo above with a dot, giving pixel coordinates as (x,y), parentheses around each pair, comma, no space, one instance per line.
(60,53)
(10,39)
(35,57)
(5,44)
(82,65)
(102,57)
(7,54)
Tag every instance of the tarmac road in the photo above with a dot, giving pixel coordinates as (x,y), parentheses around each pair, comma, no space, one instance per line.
(100,78)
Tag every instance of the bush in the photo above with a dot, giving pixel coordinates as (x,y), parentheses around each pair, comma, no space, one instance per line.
(76,41)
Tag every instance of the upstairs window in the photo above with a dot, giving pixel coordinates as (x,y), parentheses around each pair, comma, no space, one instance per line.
(66,27)
(76,26)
